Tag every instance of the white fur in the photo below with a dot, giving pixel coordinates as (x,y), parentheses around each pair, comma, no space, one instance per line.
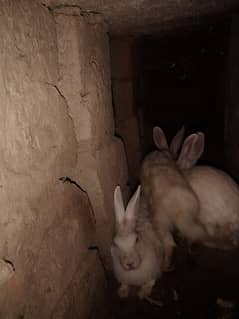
(219,205)
(148,269)
(136,244)
(217,193)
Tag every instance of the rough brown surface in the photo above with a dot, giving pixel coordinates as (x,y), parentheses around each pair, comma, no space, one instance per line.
(46,226)
(85,83)
(147,16)
(123,82)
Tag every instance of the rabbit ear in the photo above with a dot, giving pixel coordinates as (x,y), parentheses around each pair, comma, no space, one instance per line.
(177,142)
(159,138)
(133,205)
(119,205)
(192,150)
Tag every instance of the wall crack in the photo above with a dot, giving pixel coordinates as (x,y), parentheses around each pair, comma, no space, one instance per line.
(68,113)
(65,179)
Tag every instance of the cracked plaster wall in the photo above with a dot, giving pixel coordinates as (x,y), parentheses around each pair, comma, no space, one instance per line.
(84,61)
(126,117)
(46,226)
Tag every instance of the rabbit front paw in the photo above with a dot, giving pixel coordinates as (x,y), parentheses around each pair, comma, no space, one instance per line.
(146,289)
(123,291)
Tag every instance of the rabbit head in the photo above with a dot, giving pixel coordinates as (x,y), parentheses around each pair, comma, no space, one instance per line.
(165,155)
(168,153)
(161,142)
(192,147)
(126,238)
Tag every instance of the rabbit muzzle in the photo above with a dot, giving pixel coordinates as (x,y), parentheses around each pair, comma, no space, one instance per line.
(130,262)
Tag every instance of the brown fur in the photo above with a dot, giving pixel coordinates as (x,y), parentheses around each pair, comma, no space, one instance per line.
(170,200)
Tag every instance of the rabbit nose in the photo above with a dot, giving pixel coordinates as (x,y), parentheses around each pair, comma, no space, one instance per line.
(130,265)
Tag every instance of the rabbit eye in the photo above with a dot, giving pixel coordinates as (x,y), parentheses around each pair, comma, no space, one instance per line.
(137,239)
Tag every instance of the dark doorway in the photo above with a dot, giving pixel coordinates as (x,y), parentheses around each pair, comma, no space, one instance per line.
(181,82)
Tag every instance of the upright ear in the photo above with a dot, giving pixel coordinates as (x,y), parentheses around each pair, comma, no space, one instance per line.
(133,205)
(119,205)
(177,142)
(192,150)
(159,138)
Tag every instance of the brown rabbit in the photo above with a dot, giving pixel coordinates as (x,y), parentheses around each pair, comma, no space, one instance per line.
(168,195)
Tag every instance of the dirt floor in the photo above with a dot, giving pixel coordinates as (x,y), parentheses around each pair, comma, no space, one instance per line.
(204,284)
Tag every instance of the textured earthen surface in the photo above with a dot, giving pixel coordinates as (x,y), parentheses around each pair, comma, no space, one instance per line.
(46,226)
(123,82)
(85,83)
(57,121)
(147,17)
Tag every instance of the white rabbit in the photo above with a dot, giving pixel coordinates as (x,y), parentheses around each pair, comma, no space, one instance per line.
(218,195)
(168,195)
(136,251)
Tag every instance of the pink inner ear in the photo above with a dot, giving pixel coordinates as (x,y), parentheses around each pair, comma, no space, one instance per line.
(189,149)
(200,143)
(197,147)
(192,150)
(159,138)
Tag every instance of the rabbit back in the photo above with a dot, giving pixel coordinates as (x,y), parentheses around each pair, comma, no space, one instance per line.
(219,204)
(170,199)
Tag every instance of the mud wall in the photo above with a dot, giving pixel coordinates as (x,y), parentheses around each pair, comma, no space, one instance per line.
(56,121)
(124,70)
